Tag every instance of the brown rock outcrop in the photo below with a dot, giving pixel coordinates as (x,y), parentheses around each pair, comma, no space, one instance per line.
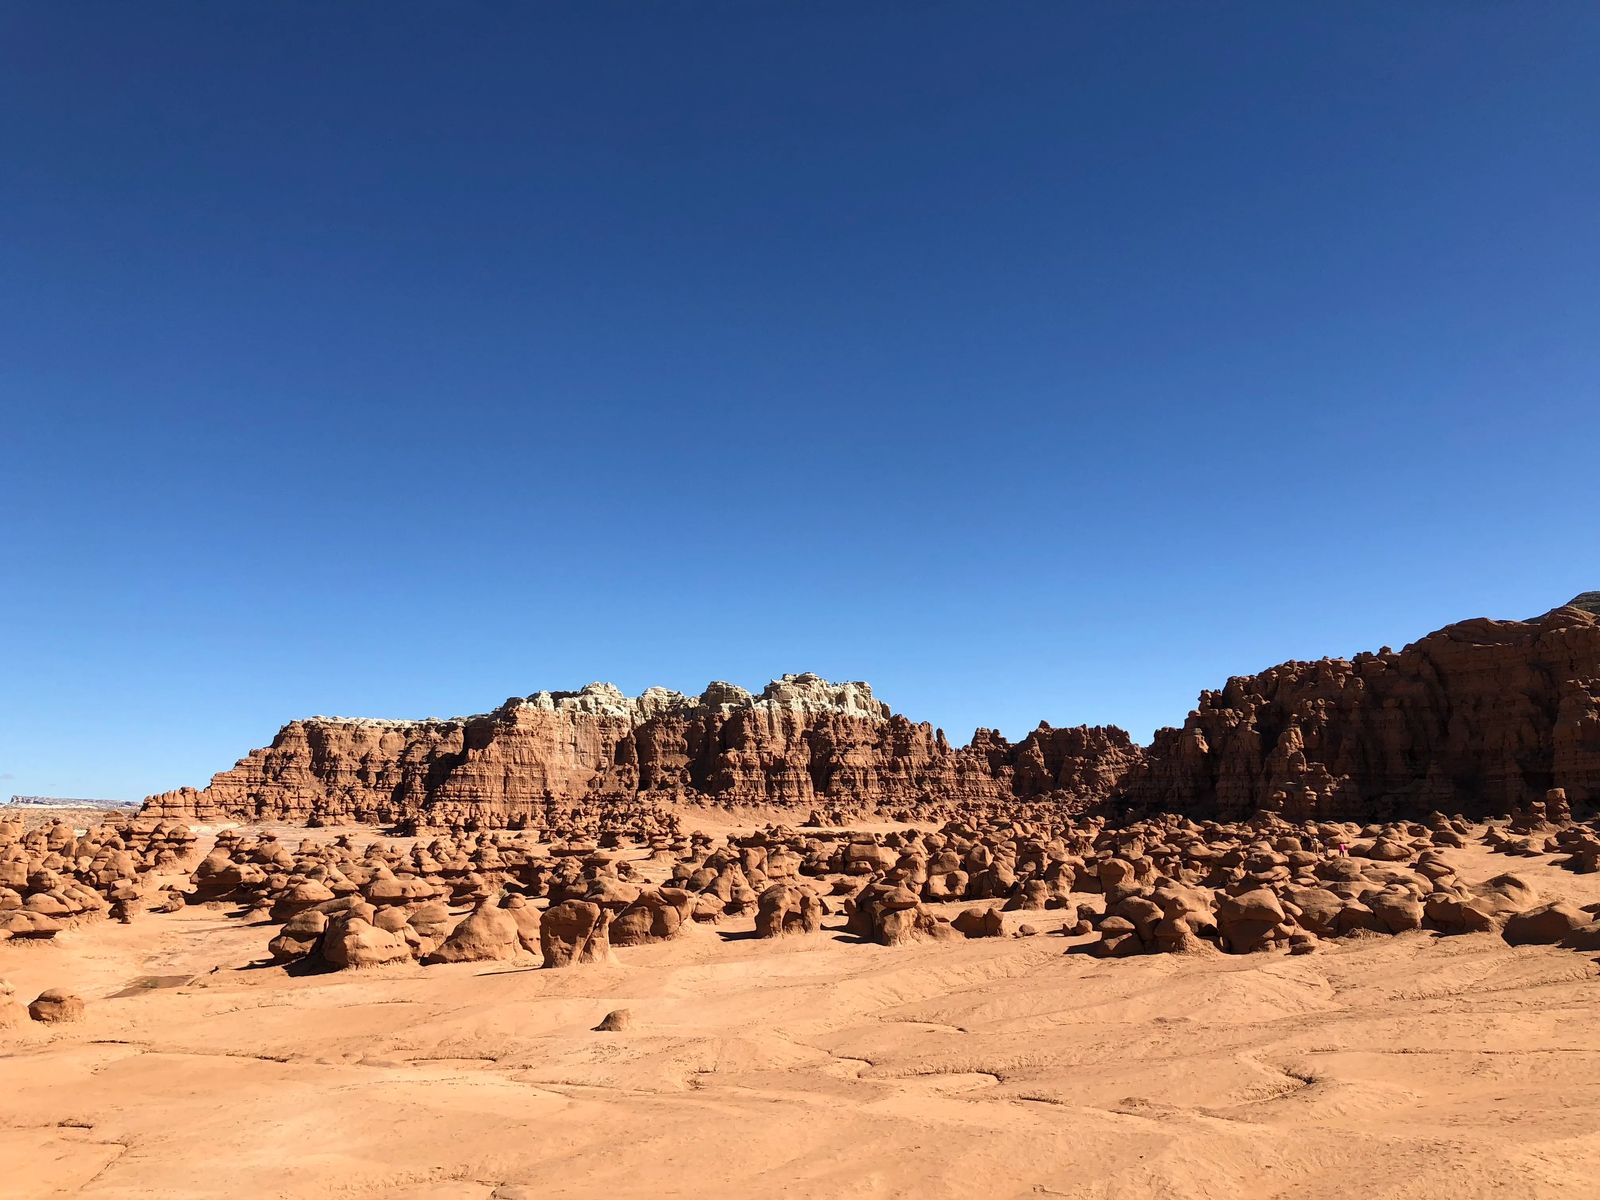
(575,932)
(596,760)
(1481,717)
(489,933)
(788,908)
(56,1006)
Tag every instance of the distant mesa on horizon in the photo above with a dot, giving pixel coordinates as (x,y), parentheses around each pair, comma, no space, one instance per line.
(68,802)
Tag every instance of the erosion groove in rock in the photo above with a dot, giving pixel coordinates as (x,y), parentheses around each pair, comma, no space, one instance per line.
(1480,717)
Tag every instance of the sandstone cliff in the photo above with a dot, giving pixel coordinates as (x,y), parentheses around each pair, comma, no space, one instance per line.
(596,758)
(1480,717)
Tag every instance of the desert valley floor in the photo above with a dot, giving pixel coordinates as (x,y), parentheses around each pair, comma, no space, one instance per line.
(1382,1066)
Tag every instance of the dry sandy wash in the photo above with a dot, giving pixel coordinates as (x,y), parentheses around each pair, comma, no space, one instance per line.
(1406,1066)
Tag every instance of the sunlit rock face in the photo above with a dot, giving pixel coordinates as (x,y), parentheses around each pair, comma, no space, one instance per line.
(802,742)
(1480,717)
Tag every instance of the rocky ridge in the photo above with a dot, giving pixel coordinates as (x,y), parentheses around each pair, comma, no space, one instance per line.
(597,761)
(1481,717)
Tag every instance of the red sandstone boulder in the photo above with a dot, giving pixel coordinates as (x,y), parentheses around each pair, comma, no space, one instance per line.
(1252,921)
(488,934)
(574,932)
(352,941)
(56,1006)
(979,922)
(785,908)
(1545,925)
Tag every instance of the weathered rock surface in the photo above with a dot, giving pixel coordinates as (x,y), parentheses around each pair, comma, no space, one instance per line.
(1482,717)
(56,1006)
(597,760)
(575,932)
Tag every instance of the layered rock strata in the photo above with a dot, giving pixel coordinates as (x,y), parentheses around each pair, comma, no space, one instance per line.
(1482,717)
(595,759)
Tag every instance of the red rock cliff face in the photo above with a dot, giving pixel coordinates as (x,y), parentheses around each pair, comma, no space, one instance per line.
(542,760)
(1478,717)
(371,771)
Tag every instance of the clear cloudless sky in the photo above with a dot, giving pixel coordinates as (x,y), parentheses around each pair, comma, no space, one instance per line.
(1030,361)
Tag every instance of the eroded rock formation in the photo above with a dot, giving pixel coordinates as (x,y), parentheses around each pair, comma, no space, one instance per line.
(596,760)
(1481,717)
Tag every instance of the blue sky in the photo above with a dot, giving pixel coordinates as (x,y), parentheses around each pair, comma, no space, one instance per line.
(1035,361)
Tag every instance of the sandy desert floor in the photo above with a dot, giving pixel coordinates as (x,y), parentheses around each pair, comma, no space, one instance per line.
(1410,1066)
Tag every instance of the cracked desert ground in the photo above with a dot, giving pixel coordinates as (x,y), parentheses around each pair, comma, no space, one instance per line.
(1410,1066)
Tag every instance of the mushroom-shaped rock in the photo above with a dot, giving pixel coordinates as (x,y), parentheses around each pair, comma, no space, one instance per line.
(1185,918)
(25,923)
(527,918)
(904,924)
(1449,912)
(299,936)
(299,896)
(1315,909)
(978,922)
(392,917)
(1143,912)
(431,923)
(398,889)
(1118,939)
(865,858)
(945,885)
(788,908)
(1506,894)
(575,931)
(216,878)
(1355,916)
(353,941)
(708,908)
(1301,942)
(49,904)
(1396,911)
(614,895)
(889,914)
(1388,850)
(654,916)
(1252,921)
(1031,895)
(487,934)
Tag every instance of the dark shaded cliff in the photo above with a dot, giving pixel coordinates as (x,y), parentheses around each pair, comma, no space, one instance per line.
(1477,718)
